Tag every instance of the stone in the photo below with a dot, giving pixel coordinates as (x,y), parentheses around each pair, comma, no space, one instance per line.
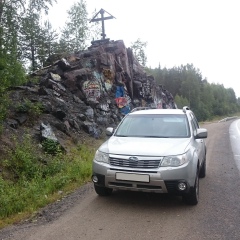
(47,132)
(12,123)
(21,118)
(55,77)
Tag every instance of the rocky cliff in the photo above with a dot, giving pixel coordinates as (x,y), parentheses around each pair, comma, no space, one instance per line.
(84,92)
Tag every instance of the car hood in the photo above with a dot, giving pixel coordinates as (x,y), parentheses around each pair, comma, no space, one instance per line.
(145,146)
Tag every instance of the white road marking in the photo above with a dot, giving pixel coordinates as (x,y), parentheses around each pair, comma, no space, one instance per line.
(234,134)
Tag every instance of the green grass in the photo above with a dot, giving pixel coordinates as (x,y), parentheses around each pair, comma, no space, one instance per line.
(31,180)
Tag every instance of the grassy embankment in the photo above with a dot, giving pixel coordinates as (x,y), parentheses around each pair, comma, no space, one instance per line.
(31,178)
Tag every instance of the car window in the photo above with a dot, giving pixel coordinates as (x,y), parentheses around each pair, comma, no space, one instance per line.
(194,120)
(165,126)
(194,123)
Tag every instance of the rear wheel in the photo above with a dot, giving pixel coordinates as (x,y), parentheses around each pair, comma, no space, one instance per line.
(103,191)
(192,197)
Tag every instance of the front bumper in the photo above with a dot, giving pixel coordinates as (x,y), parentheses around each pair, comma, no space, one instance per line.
(159,180)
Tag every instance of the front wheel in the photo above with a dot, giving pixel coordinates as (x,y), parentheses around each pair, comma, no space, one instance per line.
(103,191)
(192,197)
(202,172)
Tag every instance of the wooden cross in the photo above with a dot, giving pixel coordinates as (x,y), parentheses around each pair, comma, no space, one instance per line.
(102,18)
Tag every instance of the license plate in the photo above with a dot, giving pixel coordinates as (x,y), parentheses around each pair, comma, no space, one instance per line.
(132,177)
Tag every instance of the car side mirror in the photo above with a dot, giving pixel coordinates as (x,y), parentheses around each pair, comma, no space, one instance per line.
(201,133)
(109,131)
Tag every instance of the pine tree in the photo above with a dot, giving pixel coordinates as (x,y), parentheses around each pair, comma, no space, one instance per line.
(32,34)
(11,71)
(47,44)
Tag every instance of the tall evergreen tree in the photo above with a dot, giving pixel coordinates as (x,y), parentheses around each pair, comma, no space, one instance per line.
(30,38)
(48,43)
(11,71)
(32,33)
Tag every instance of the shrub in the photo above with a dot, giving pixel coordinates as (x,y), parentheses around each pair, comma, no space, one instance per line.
(51,146)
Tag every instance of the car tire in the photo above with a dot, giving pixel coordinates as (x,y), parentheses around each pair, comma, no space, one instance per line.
(103,191)
(192,197)
(202,172)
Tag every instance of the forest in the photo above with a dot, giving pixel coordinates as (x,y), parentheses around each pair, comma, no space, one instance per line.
(28,42)
(189,88)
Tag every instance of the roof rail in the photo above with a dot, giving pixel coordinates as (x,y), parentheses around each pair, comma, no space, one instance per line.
(185,108)
(141,108)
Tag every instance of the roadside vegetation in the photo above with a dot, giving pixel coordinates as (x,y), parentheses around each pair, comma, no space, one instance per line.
(32,178)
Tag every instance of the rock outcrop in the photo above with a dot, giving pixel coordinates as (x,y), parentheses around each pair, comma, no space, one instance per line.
(89,90)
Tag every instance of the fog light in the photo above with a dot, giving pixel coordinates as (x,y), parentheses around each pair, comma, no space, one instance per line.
(95,179)
(182,186)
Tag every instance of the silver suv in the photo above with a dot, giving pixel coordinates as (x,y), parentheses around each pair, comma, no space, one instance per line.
(153,150)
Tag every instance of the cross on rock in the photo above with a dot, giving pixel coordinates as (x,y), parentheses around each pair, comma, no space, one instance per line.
(102,18)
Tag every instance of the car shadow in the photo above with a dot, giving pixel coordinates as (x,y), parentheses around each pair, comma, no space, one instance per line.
(143,200)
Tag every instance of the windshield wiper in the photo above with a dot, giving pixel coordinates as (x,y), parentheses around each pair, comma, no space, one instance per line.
(155,136)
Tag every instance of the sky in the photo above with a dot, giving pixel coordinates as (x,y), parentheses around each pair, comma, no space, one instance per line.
(205,33)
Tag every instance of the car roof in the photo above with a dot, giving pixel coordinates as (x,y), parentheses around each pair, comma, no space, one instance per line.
(158,111)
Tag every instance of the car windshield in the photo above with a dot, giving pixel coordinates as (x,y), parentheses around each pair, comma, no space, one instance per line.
(154,126)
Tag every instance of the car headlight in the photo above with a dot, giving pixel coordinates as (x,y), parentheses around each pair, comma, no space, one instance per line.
(101,157)
(174,161)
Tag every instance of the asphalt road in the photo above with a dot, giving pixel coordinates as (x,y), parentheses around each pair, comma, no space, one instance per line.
(133,215)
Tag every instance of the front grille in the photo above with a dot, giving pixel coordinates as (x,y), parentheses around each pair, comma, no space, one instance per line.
(120,184)
(133,170)
(138,186)
(149,187)
(134,164)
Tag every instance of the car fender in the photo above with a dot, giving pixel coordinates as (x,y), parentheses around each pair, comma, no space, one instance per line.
(194,167)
